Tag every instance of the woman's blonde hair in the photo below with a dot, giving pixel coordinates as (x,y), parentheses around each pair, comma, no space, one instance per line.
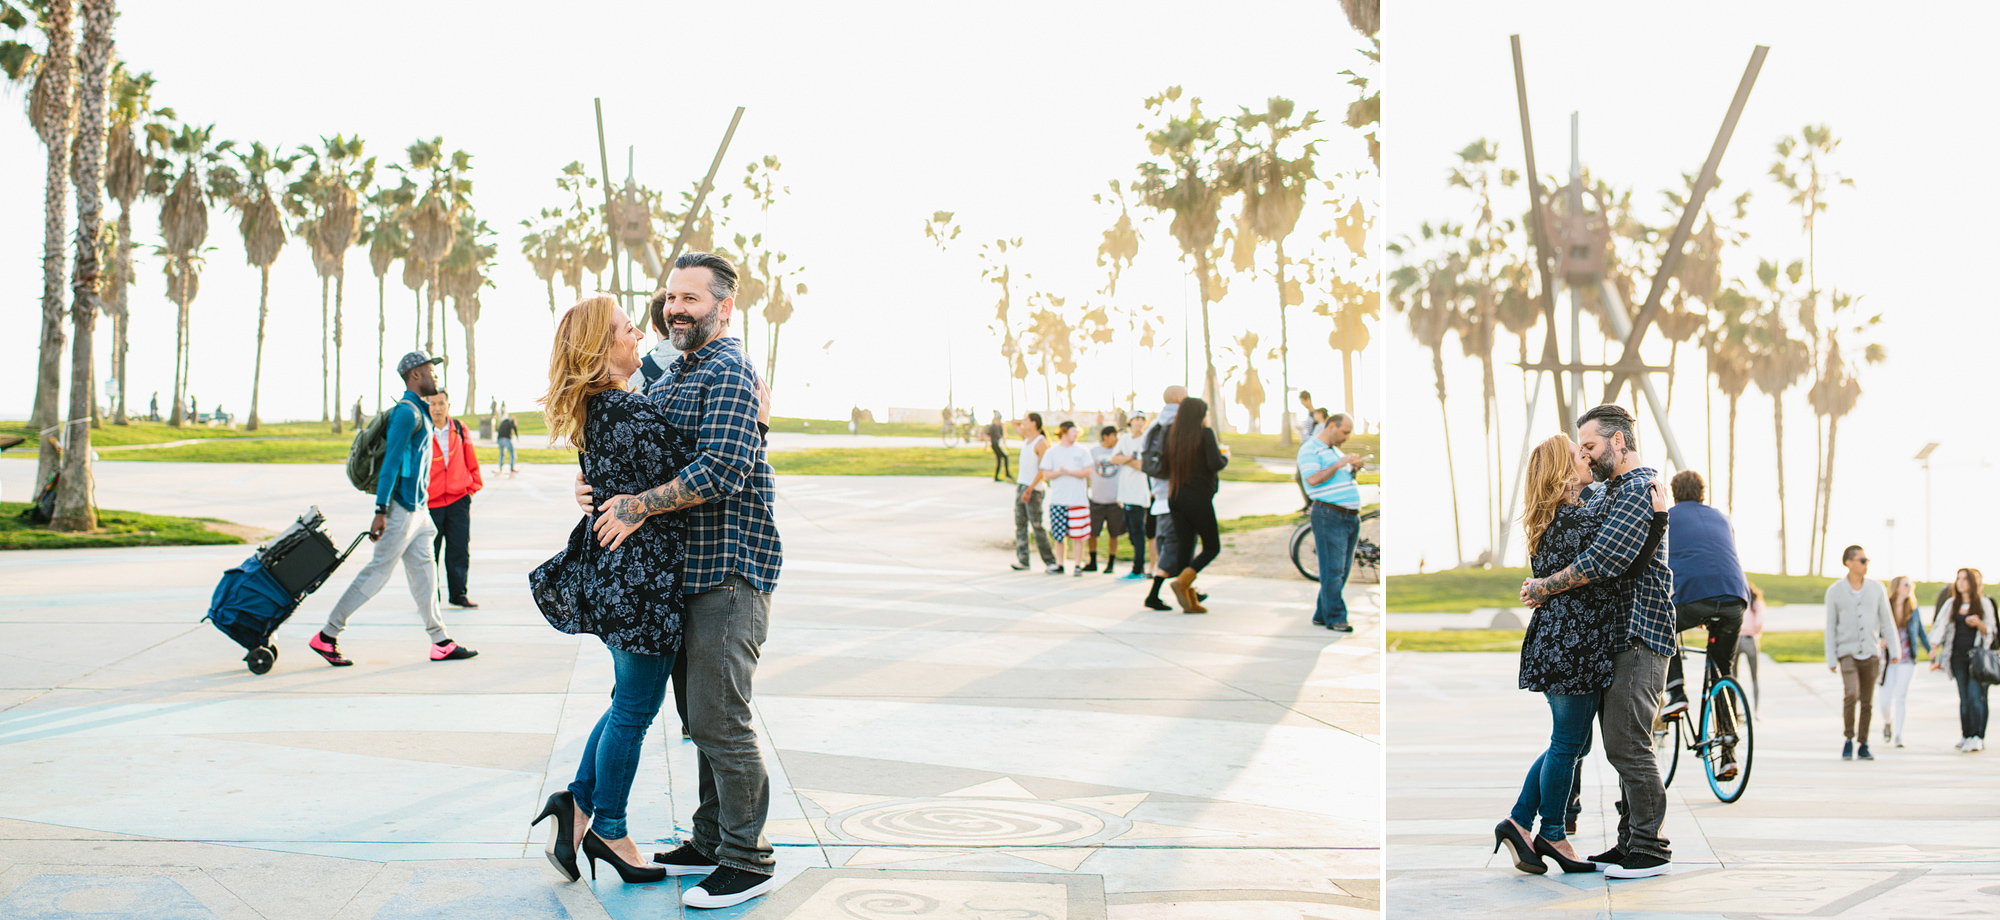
(579,367)
(1550,469)
(1902,599)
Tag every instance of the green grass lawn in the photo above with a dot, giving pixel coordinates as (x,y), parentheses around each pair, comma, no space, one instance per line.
(1781,646)
(1462,590)
(116,528)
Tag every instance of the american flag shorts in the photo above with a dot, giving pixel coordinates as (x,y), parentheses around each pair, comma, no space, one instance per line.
(1072,521)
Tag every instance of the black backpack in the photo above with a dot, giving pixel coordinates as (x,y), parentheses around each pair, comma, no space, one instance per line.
(1153,456)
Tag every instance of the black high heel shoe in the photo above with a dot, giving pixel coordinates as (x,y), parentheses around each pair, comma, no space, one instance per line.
(1543,847)
(594,849)
(1524,854)
(559,849)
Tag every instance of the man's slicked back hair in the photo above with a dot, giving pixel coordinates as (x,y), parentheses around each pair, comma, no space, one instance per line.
(1611,418)
(721,285)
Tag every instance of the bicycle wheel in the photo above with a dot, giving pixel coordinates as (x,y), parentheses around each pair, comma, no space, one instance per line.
(1667,743)
(1726,726)
(948,435)
(1305,553)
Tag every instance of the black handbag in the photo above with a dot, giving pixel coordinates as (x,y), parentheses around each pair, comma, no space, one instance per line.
(1984,662)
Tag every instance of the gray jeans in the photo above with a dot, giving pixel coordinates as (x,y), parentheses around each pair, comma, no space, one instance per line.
(1638,676)
(407,538)
(1029,514)
(722,635)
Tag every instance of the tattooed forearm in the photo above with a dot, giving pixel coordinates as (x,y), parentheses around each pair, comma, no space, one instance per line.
(628,510)
(1558,583)
(673,496)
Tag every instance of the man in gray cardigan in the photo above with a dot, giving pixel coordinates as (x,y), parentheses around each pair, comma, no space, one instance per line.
(1859,627)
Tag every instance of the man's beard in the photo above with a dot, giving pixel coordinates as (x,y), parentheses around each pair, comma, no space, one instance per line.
(1602,468)
(696,334)
(427,390)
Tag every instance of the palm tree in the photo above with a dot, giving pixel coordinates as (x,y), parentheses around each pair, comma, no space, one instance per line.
(76,504)
(1730,360)
(779,303)
(996,268)
(263,230)
(433,222)
(1835,394)
(1350,307)
(542,247)
(382,232)
(1274,194)
(1778,361)
(125,167)
(184,229)
(1188,187)
(461,276)
(327,198)
(1428,293)
(1801,169)
(53,73)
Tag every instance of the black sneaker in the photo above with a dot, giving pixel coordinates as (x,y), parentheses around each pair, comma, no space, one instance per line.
(1092,565)
(451,651)
(464,603)
(1341,627)
(1676,705)
(1055,570)
(1638,865)
(1847,749)
(1018,566)
(1608,858)
(727,887)
(684,860)
(1154,603)
(1863,753)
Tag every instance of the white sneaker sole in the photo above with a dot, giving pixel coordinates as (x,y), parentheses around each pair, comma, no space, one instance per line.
(1622,872)
(678,871)
(699,897)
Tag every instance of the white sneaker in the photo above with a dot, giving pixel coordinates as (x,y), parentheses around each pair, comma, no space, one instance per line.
(1977,744)
(1962,742)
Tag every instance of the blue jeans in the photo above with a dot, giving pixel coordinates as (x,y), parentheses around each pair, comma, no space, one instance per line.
(1135,527)
(1334,534)
(1553,777)
(1971,699)
(611,757)
(507,455)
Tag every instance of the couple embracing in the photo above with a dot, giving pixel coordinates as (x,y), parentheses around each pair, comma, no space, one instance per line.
(1598,645)
(673,568)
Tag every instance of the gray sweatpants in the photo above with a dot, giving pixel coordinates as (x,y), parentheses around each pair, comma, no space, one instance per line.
(1638,677)
(722,637)
(406,538)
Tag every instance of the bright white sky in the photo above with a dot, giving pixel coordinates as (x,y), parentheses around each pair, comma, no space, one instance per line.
(1012,118)
(1652,91)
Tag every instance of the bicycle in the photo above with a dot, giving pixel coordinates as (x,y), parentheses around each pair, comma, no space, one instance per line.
(1725,724)
(1305,553)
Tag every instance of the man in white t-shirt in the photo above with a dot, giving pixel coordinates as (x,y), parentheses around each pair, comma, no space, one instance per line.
(1135,492)
(1107,516)
(1066,468)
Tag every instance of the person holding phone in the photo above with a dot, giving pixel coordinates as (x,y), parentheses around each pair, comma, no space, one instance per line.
(1336,514)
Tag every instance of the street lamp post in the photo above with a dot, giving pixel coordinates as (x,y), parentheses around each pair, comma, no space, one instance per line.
(1924,457)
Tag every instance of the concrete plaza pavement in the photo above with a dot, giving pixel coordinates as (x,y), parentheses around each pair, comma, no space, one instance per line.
(1911,834)
(944,736)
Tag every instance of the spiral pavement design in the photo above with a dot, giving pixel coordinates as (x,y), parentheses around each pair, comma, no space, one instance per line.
(970,823)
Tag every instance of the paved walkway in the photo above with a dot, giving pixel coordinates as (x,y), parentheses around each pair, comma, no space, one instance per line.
(946,738)
(1910,835)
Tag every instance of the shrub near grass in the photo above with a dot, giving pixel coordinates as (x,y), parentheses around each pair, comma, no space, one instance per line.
(116,528)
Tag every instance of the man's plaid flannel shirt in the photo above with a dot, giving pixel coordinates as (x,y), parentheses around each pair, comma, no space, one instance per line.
(1645,608)
(713,392)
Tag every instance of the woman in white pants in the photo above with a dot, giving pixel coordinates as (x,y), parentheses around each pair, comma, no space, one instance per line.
(1903,664)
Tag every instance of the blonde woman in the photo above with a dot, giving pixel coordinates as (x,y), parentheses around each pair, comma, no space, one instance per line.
(628,595)
(1566,652)
(1896,677)
(1964,621)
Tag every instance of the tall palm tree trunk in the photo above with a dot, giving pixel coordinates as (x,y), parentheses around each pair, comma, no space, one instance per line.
(1284,356)
(1732,456)
(1451,476)
(53,85)
(76,503)
(257,368)
(771,366)
(381,332)
(1778,422)
(471,372)
(1826,495)
(178,416)
(325,359)
(1347,379)
(1211,390)
(339,291)
(1814,551)
(119,353)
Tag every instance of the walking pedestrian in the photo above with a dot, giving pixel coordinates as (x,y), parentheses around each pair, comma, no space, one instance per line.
(632,598)
(401,533)
(1709,591)
(1859,627)
(1161,511)
(454,478)
(1193,462)
(1028,491)
(1896,677)
(1747,638)
(1961,623)
(996,440)
(733,560)
(1641,644)
(153,408)
(1335,499)
(1135,492)
(1107,515)
(504,436)
(1066,467)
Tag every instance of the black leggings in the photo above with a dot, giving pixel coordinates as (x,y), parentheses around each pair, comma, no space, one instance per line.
(1194,517)
(1000,465)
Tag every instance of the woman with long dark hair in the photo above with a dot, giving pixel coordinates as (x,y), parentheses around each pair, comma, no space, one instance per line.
(1193,462)
(628,595)
(1961,623)
(1566,652)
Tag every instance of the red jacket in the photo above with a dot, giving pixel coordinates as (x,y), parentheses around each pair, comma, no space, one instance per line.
(451,481)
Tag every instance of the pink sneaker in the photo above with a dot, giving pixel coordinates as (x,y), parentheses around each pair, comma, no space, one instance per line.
(327,649)
(450,651)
